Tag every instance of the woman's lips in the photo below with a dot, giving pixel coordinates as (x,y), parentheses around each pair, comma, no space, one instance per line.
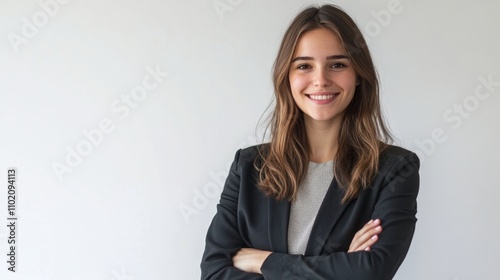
(322,98)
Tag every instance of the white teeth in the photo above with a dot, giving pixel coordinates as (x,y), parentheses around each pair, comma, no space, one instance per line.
(321,97)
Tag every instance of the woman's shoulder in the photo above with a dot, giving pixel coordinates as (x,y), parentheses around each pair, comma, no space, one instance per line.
(389,157)
(393,150)
(394,155)
(254,150)
(390,153)
(249,154)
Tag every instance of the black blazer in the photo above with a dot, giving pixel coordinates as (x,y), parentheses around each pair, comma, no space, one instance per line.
(246,218)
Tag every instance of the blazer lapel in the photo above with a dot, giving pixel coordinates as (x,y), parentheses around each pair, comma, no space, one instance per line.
(279,212)
(328,215)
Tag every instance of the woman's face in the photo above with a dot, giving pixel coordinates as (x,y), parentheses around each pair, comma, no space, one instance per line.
(321,76)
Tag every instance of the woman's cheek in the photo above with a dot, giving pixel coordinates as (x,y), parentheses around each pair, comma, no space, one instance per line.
(298,83)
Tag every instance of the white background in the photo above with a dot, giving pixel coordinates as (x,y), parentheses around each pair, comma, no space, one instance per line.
(138,204)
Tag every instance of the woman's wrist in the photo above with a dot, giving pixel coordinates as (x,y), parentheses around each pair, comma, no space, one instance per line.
(262,258)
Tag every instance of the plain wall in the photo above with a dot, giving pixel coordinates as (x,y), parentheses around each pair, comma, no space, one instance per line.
(169,90)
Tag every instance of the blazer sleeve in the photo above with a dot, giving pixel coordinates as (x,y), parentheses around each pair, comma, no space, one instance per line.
(223,238)
(395,207)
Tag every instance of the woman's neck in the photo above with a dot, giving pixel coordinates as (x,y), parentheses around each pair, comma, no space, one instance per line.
(323,139)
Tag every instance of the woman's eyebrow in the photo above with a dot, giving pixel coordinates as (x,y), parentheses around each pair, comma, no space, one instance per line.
(339,56)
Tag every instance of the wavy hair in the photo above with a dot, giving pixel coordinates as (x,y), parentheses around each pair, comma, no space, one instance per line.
(363,134)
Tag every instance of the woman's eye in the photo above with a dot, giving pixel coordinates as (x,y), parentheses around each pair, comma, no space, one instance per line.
(338,65)
(303,66)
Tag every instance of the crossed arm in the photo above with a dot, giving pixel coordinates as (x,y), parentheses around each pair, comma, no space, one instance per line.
(251,260)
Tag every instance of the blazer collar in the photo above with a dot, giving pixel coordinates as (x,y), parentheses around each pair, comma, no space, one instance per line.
(328,215)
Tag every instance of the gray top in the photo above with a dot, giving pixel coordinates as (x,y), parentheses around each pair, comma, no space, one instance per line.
(312,191)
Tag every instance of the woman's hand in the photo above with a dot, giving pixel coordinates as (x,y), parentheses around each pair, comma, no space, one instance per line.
(250,260)
(366,237)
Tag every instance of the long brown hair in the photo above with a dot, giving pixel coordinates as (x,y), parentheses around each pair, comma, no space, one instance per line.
(362,135)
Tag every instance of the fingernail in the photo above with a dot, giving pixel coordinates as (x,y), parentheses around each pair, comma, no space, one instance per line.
(367,249)
(377,221)
(374,237)
(371,221)
(378,228)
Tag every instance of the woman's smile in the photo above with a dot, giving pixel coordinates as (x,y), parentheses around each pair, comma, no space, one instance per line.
(322,98)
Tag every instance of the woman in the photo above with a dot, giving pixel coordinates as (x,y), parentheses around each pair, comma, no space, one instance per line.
(311,203)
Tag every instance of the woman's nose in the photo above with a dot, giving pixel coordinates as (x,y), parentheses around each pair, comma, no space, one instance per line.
(321,78)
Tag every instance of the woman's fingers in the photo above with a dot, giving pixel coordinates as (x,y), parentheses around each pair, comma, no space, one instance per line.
(363,238)
(366,237)
(367,245)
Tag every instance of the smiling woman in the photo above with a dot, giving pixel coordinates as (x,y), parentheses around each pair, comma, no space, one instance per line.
(322,80)
(311,203)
